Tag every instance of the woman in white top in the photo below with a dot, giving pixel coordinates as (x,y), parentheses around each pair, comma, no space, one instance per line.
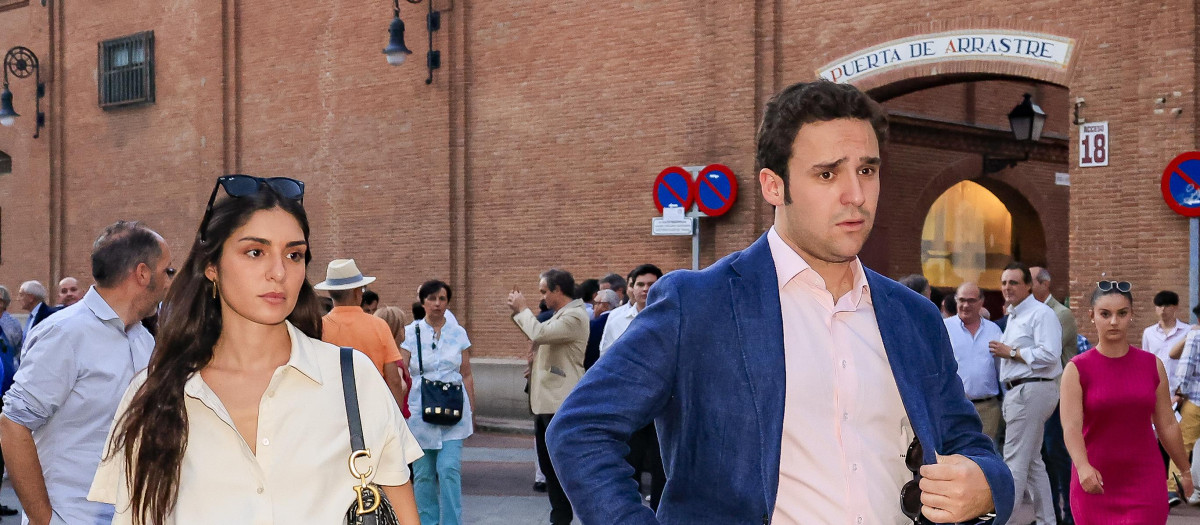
(440,352)
(240,416)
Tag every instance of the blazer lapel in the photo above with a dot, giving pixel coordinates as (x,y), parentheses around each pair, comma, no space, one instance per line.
(902,346)
(754,290)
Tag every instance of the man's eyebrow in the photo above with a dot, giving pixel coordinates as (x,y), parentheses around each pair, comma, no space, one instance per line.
(825,166)
(871,160)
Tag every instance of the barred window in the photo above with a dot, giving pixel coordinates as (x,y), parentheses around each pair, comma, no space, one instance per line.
(127,70)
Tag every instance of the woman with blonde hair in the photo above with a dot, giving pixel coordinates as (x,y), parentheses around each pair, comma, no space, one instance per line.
(397,319)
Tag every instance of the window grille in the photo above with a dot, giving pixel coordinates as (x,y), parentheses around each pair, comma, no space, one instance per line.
(127,70)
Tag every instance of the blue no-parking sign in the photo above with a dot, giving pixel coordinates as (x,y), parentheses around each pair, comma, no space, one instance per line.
(1179,187)
(673,189)
(716,189)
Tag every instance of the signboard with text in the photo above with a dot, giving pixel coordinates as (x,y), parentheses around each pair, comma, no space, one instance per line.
(995,44)
(1093,144)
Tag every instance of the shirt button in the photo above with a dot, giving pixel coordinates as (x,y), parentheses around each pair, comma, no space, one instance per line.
(845,416)
(844,363)
(260,491)
(854,467)
(266,442)
(270,393)
(860,519)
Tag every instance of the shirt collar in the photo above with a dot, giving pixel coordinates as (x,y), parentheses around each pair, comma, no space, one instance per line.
(789,264)
(1021,306)
(302,359)
(99,306)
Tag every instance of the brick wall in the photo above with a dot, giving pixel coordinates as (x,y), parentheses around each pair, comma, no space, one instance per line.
(537,143)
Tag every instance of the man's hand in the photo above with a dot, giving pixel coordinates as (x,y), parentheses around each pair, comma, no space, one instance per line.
(954,490)
(516,302)
(999,349)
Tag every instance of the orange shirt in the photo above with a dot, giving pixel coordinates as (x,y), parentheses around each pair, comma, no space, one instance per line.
(351,326)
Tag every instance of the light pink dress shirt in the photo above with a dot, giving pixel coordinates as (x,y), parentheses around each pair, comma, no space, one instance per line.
(845,430)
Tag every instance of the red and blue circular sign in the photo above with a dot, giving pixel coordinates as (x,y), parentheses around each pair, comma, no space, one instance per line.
(1179,187)
(673,189)
(716,190)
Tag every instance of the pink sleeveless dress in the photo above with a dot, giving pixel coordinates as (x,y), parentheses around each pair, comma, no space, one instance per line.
(1119,396)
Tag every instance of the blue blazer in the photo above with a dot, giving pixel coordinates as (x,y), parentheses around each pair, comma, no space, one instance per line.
(704,361)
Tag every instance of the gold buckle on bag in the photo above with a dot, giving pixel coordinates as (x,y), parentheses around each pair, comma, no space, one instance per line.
(363,485)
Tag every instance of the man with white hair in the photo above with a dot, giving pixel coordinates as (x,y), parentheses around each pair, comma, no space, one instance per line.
(32,298)
(606,300)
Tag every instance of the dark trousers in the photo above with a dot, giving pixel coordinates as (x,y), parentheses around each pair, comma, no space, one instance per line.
(1058,467)
(644,456)
(560,506)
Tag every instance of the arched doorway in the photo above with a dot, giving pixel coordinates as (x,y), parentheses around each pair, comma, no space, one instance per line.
(943,134)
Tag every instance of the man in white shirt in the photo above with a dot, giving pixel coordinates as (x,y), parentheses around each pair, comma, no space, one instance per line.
(970,335)
(640,281)
(1030,353)
(1159,337)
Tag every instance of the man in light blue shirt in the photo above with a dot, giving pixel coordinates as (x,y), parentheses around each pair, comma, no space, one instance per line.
(77,366)
(970,334)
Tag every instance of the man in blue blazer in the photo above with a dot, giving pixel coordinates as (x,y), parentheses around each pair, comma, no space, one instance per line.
(786,380)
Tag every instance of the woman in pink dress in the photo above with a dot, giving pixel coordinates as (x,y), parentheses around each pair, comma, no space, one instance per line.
(1113,402)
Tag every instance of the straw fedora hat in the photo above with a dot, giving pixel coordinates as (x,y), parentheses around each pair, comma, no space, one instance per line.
(343,274)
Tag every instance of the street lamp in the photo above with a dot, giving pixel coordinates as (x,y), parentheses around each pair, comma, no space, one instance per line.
(397,52)
(1026,121)
(21,62)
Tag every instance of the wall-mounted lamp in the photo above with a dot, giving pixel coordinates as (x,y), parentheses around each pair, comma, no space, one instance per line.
(396,51)
(1026,121)
(1079,120)
(21,62)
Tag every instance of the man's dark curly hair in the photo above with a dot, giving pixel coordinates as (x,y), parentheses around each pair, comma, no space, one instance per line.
(804,103)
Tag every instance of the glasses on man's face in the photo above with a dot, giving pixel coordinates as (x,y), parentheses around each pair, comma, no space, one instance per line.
(238,186)
(1120,286)
(910,493)
(966,300)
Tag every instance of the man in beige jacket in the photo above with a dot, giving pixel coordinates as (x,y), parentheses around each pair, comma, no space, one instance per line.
(557,366)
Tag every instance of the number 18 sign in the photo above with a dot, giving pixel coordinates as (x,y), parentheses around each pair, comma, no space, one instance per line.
(1093,144)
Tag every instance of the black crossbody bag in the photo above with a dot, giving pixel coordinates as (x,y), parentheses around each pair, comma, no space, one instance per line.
(370,506)
(441,402)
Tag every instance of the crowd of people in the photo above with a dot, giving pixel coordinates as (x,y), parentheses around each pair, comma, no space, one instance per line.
(787,383)
(1083,420)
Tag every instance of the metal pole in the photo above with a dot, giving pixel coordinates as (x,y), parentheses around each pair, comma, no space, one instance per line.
(1194,264)
(696,244)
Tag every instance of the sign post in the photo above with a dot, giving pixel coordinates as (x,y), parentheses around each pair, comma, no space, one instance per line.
(1182,195)
(701,191)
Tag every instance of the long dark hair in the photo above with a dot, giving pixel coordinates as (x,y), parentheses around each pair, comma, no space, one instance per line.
(152,433)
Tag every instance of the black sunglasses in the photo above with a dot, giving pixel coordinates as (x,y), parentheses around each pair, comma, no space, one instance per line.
(910,493)
(1121,286)
(238,186)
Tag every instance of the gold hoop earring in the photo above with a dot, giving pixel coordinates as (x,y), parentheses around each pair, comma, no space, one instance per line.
(214,288)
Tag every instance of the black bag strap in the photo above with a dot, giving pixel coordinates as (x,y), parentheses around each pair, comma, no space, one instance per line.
(420,359)
(351,394)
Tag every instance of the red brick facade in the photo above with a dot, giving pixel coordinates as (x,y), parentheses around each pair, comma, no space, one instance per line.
(537,142)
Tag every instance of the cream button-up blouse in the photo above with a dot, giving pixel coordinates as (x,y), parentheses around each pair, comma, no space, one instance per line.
(298,472)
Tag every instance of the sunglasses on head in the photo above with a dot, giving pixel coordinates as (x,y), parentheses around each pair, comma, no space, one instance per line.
(910,493)
(238,186)
(1120,286)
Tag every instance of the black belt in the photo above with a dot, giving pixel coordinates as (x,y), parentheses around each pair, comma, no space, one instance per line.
(986,399)
(1009,385)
